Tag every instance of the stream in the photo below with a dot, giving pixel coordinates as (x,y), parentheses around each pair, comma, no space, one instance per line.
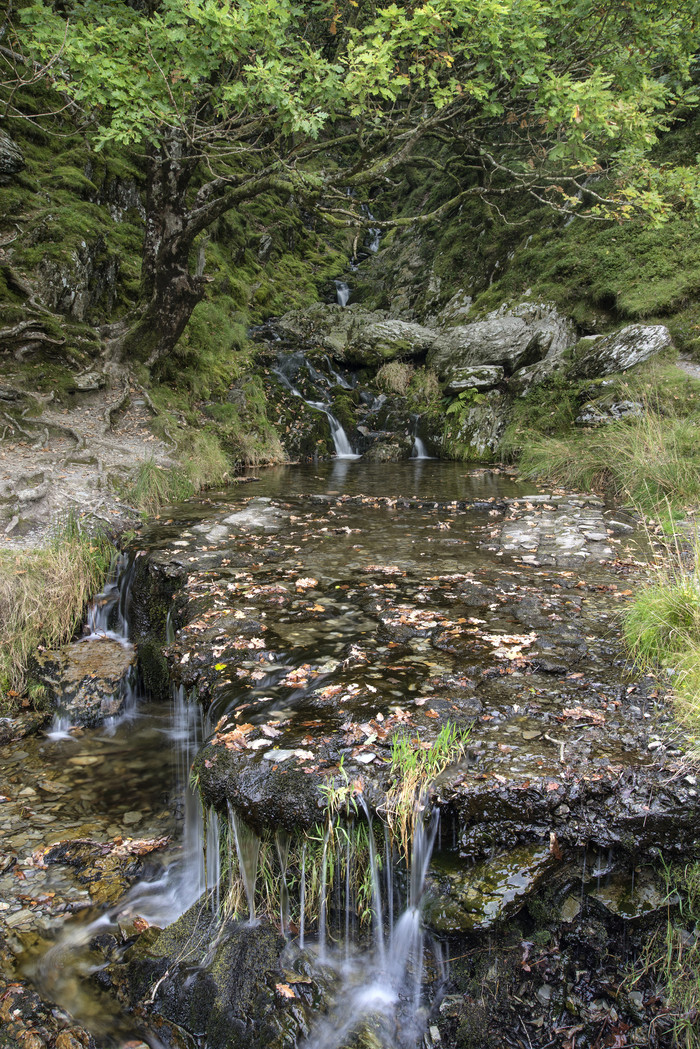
(309,617)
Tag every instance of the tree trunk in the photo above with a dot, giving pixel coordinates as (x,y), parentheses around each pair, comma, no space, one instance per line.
(171,291)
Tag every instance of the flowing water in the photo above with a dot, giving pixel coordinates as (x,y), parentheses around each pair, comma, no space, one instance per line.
(366,555)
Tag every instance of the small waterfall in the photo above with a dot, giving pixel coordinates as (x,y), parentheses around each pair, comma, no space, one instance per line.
(248,852)
(385,986)
(108,617)
(342,292)
(108,613)
(419,450)
(373,235)
(343,448)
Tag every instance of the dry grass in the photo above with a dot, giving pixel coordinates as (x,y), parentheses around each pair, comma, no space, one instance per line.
(652,460)
(43,594)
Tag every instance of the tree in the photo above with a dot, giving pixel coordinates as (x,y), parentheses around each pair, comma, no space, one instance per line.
(228,99)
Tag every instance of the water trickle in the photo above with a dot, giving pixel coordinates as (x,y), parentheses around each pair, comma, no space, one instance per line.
(342,292)
(284,372)
(248,852)
(108,613)
(419,450)
(282,843)
(385,986)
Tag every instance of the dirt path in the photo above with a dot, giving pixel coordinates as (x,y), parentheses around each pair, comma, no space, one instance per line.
(689,367)
(76,459)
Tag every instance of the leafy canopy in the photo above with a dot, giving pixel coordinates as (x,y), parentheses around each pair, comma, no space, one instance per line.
(530,86)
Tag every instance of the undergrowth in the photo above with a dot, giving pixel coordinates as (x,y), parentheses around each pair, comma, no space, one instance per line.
(661,628)
(672,957)
(43,594)
(651,460)
(203,464)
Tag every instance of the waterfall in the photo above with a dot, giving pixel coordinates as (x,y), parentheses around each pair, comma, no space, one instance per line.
(248,852)
(108,617)
(386,984)
(342,292)
(341,442)
(419,450)
(343,448)
(108,613)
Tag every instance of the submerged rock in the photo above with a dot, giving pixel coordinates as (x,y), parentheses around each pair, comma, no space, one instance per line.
(87,681)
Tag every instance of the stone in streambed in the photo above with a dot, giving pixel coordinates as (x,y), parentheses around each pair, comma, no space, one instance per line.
(480,896)
(226,985)
(87,680)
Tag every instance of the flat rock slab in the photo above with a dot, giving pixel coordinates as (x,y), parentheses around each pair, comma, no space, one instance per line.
(556,530)
(87,681)
(367,617)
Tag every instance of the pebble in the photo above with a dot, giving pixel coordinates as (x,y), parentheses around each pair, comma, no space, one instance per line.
(132,817)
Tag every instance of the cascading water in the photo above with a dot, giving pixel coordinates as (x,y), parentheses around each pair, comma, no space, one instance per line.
(419,450)
(108,617)
(342,292)
(385,984)
(341,441)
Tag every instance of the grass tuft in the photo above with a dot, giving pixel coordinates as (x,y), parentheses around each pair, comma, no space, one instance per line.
(651,460)
(43,594)
(661,628)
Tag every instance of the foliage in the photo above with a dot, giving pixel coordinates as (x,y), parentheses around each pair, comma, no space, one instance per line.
(543,91)
(414,767)
(43,594)
(672,955)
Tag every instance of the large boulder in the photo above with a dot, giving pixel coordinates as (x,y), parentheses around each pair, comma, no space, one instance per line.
(509,338)
(622,350)
(328,325)
(374,344)
(87,681)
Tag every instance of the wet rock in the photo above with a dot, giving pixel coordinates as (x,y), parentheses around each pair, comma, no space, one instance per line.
(621,350)
(633,895)
(491,891)
(229,985)
(388,451)
(87,681)
(508,338)
(267,791)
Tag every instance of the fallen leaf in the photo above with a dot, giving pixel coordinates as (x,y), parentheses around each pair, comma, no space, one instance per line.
(285,990)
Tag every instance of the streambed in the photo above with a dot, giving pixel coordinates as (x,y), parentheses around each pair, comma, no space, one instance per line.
(312,616)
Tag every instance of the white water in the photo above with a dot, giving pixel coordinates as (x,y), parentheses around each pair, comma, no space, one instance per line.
(342,292)
(341,442)
(419,450)
(108,617)
(385,983)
